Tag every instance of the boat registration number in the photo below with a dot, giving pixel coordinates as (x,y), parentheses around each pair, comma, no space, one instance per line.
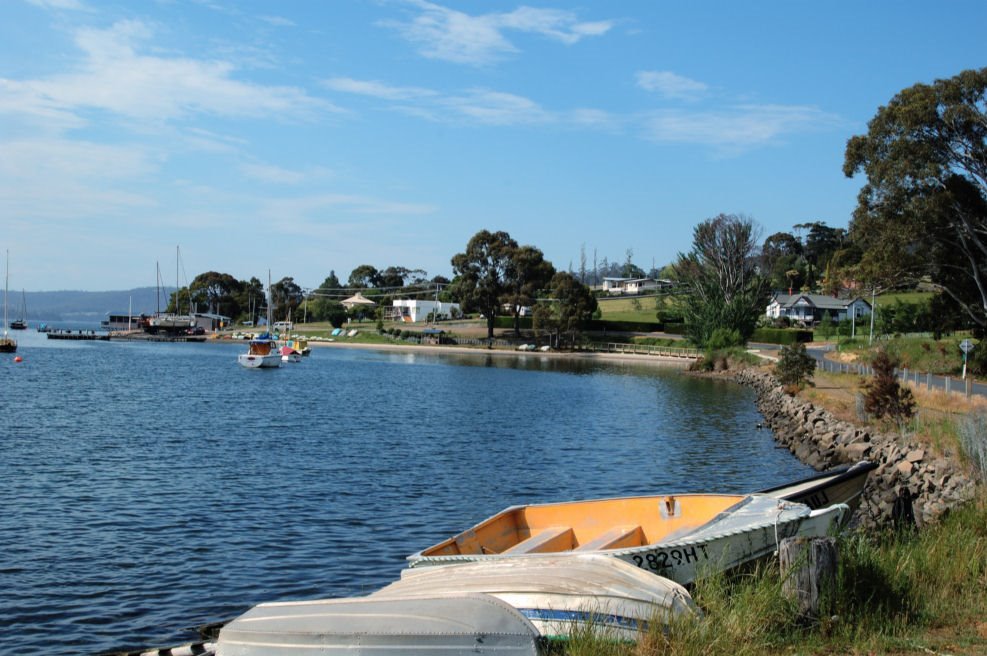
(659,561)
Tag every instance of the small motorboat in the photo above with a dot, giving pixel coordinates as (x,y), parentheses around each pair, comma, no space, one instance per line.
(289,354)
(562,595)
(679,537)
(262,353)
(842,484)
(451,623)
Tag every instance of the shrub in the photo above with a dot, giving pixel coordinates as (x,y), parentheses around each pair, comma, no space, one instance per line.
(722,338)
(884,397)
(795,367)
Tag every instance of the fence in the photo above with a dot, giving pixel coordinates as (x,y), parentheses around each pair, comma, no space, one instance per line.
(640,349)
(931,381)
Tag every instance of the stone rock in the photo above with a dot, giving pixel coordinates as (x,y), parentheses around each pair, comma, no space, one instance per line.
(915,456)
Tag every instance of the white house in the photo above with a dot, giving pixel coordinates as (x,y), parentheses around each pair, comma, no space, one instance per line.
(615,286)
(812,308)
(418,310)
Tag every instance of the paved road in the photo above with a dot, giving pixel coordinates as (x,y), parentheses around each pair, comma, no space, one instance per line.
(952,383)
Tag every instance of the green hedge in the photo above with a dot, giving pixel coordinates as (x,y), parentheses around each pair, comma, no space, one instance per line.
(675,328)
(781,336)
(508,323)
(600,325)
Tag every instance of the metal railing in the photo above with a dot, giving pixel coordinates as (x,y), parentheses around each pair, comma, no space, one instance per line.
(641,349)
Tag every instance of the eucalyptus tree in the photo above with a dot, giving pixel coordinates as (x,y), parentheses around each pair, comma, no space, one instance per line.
(570,305)
(923,209)
(529,273)
(482,274)
(725,290)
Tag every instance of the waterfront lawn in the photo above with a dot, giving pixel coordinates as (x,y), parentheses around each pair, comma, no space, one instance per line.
(939,357)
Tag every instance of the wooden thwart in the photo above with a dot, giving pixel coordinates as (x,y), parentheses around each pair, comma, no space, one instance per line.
(615,538)
(556,538)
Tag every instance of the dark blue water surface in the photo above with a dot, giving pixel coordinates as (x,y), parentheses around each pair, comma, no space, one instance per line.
(147,489)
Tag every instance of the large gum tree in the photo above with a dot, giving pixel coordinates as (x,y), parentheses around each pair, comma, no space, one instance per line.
(923,209)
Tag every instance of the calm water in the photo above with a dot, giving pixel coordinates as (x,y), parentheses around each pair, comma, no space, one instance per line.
(150,488)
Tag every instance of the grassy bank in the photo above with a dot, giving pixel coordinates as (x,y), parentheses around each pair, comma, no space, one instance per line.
(906,592)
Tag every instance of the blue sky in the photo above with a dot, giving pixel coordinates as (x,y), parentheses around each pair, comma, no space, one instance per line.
(309,136)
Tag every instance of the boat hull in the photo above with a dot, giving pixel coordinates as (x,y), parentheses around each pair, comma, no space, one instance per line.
(563,596)
(251,361)
(840,485)
(748,531)
(452,624)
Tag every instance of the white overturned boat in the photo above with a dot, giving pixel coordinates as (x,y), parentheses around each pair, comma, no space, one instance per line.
(453,624)
(562,596)
(679,537)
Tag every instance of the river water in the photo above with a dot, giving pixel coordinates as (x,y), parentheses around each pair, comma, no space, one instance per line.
(147,489)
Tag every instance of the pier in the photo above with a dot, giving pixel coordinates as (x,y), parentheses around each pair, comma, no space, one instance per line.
(81,335)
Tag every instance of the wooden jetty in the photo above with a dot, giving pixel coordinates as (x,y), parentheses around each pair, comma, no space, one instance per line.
(81,335)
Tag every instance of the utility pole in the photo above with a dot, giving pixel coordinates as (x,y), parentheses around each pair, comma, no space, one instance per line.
(873,311)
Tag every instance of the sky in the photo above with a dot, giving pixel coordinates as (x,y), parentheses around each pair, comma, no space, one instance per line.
(307,136)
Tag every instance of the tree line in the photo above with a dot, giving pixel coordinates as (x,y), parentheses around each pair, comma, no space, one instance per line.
(921,216)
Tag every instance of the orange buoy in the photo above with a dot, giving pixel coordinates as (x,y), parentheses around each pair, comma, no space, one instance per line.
(18,359)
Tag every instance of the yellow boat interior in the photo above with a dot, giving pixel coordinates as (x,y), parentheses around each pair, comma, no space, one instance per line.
(584,526)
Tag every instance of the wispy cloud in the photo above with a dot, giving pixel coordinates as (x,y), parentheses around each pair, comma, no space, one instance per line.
(735,129)
(271,174)
(455,36)
(671,85)
(57,4)
(376,89)
(116,76)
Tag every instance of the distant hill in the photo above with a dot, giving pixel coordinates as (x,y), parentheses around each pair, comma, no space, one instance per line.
(88,306)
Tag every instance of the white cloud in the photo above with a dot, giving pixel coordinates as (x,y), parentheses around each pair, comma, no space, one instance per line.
(271,174)
(116,77)
(497,108)
(735,129)
(278,21)
(450,35)
(376,89)
(57,4)
(671,85)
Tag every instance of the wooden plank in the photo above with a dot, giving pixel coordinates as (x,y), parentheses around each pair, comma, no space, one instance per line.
(556,538)
(808,572)
(615,538)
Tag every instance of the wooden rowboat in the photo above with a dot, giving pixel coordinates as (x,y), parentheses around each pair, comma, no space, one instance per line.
(678,537)
(839,485)
(562,595)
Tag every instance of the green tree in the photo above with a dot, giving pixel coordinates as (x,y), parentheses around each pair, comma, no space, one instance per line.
(483,272)
(884,396)
(286,296)
(923,210)
(571,305)
(795,366)
(529,273)
(721,275)
(364,276)
(218,292)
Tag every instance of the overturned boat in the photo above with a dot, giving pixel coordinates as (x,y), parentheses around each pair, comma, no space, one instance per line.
(679,537)
(458,623)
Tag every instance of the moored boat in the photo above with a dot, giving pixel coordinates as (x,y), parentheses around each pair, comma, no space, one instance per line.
(289,354)
(7,344)
(262,353)
(842,484)
(454,623)
(676,536)
(562,595)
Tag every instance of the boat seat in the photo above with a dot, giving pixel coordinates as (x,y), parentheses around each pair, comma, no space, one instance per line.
(556,538)
(615,538)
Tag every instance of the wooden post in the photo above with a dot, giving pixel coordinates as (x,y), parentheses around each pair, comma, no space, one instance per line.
(808,571)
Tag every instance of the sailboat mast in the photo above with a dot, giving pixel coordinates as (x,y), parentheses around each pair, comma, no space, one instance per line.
(6,284)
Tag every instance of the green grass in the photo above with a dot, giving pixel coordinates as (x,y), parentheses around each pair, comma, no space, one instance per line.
(904,297)
(902,593)
(619,308)
(942,357)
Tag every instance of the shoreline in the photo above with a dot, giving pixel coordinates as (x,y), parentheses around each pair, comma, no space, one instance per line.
(663,360)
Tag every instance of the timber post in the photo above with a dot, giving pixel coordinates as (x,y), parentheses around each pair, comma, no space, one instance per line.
(808,572)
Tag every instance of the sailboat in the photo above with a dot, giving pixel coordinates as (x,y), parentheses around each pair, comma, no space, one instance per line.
(21,323)
(262,351)
(7,344)
(168,322)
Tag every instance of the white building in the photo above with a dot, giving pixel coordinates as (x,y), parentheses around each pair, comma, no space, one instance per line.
(633,286)
(418,310)
(812,308)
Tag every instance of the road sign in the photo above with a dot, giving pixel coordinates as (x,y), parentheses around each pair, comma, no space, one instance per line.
(966,346)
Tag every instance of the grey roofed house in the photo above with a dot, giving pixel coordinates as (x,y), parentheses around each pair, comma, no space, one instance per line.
(810,308)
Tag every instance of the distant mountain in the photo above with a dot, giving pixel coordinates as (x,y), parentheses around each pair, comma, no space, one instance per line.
(89,306)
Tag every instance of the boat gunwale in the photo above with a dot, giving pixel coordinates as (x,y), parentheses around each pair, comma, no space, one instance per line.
(419,558)
(831,477)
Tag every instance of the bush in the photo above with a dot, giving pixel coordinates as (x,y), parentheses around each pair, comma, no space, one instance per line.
(723,338)
(795,367)
(884,397)
(781,336)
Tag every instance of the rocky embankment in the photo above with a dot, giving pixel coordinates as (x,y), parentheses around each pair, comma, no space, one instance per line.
(910,485)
